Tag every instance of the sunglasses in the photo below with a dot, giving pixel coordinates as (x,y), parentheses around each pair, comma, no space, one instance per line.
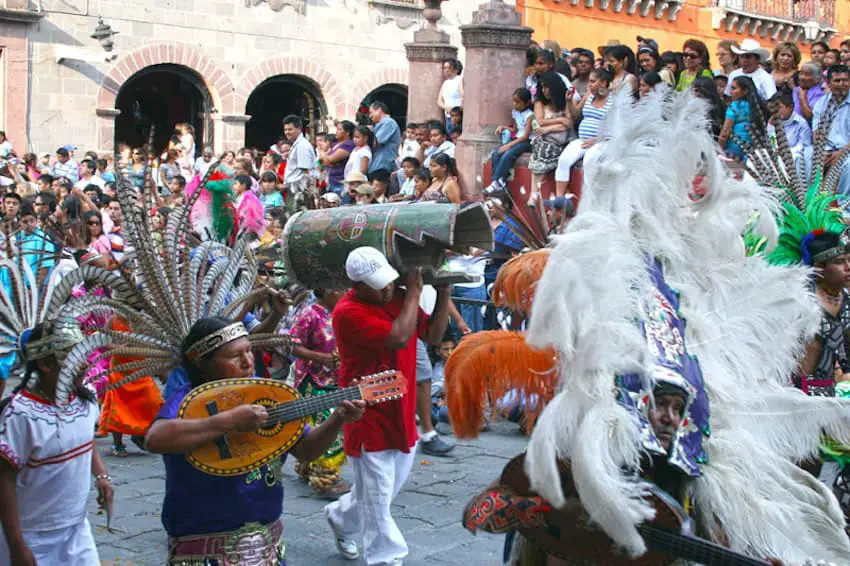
(93,223)
(690,56)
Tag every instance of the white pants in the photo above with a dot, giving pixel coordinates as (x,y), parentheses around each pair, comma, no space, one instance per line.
(72,546)
(365,510)
(569,157)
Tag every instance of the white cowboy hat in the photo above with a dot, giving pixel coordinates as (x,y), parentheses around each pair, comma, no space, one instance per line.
(751,47)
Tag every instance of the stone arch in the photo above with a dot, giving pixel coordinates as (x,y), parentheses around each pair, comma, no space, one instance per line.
(373,81)
(330,90)
(193,58)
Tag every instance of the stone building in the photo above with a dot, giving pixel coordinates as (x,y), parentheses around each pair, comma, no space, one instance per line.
(232,68)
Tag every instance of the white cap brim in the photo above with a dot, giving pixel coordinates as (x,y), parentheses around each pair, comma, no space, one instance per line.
(381,278)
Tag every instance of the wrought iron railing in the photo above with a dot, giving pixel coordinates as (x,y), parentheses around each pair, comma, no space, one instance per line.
(821,11)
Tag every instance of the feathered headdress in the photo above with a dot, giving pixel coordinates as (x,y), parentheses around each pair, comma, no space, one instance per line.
(177,285)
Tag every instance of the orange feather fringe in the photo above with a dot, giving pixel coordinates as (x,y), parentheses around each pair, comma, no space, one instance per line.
(517,279)
(490,364)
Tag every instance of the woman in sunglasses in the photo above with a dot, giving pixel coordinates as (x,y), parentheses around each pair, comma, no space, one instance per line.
(97,241)
(697,64)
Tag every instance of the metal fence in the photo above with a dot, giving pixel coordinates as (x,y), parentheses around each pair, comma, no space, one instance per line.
(822,11)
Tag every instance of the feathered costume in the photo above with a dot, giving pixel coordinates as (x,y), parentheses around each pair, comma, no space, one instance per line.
(640,258)
(178,284)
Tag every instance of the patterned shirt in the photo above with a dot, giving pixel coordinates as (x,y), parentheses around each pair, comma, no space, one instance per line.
(313,328)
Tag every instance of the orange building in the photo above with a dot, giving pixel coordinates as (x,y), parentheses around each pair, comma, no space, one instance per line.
(591,23)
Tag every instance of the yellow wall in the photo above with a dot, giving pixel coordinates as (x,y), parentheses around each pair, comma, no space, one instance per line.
(578,26)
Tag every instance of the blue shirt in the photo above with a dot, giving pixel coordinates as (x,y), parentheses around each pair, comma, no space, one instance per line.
(739,113)
(36,248)
(839,133)
(812,96)
(197,503)
(387,140)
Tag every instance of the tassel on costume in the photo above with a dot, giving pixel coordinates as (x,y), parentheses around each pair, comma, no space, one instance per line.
(495,362)
(517,279)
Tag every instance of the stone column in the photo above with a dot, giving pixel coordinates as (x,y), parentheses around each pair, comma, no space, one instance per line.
(106,129)
(231,132)
(495,44)
(426,54)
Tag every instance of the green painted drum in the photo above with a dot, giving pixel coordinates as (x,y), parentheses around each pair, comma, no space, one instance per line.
(316,242)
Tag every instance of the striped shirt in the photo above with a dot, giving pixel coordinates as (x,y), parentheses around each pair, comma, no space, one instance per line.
(591,118)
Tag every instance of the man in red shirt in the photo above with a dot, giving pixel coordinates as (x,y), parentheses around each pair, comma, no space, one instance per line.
(376,327)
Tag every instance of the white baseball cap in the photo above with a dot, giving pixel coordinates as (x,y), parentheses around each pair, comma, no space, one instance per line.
(368,265)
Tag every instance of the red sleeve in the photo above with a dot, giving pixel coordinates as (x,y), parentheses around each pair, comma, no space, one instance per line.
(360,326)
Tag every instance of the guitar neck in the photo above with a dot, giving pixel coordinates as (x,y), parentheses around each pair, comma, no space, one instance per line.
(311,405)
(695,549)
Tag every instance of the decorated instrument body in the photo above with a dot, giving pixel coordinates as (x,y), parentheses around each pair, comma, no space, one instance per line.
(240,452)
(316,242)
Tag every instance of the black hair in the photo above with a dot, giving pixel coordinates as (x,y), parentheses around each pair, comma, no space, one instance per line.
(89,163)
(531,56)
(367,133)
(348,127)
(411,126)
(294,121)
(823,44)
(457,110)
(547,55)
(62,151)
(758,107)
(672,57)
(705,89)
(101,163)
(423,174)
(26,210)
(557,91)
(47,178)
(784,96)
(454,64)
(445,160)
(72,207)
(652,78)
(37,333)
(380,105)
(836,69)
(413,161)
(439,126)
(201,329)
(13,195)
(181,180)
(268,176)
(603,74)
(623,53)
(110,200)
(380,175)
(523,94)
(93,214)
(243,180)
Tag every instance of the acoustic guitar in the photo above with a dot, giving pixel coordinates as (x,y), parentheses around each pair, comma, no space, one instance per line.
(240,452)
(568,534)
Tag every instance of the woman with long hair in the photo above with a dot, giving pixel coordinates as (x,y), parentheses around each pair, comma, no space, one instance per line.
(648,82)
(697,64)
(96,240)
(552,128)
(136,171)
(706,89)
(337,158)
(673,62)
(621,59)
(744,117)
(444,185)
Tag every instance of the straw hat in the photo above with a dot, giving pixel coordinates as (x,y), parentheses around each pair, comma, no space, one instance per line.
(751,47)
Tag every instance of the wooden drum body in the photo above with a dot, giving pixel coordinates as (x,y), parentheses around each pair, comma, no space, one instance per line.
(240,452)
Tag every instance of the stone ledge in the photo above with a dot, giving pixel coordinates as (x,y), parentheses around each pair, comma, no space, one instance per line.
(779,29)
(107,112)
(644,7)
(496,35)
(235,118)
(20,16)
(430,51)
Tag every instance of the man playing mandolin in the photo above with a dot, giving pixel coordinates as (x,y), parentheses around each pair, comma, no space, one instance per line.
(234,519)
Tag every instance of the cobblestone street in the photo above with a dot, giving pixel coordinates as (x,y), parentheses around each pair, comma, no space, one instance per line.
(428,510)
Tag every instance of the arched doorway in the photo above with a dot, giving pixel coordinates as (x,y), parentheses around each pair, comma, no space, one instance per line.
(277,97)
(163,96)
(394,96)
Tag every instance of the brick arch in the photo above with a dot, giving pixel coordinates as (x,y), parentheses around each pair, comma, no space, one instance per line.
(193,58)
(373,81)
(333,95)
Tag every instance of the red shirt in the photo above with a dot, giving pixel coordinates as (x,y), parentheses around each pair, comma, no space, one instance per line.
(361,331)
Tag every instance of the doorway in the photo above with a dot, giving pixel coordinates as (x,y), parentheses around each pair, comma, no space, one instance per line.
(395,97)
(276,98)
(163,96)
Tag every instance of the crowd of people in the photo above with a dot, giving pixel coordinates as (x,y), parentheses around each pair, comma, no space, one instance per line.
(64,201)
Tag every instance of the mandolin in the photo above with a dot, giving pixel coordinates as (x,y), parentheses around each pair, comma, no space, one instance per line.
(240,452)
(568,534)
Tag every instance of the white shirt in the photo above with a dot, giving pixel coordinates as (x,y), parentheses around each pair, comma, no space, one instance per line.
(408,149)
(5,149)
(93,180)
(428,299)
(762,79)
(202,166)
(470,265)
(451,93)
(302,157)
(51,449)
(446,147)
(355,158)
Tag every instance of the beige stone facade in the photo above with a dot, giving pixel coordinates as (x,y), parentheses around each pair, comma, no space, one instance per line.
(338,50)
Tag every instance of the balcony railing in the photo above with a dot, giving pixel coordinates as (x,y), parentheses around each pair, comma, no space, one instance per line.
(798,11)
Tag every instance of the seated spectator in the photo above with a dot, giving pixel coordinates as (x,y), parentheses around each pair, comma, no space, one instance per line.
(552,129)
(798,133)
(421,183)
(363,194)
(456,119)
(438,143)
(329,200)
(407,191)
(444,186)
(269,191)
(516,139)
(648,82)
(380,181)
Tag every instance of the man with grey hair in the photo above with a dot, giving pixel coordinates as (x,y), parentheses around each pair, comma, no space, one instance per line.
(810,90)
(203,163)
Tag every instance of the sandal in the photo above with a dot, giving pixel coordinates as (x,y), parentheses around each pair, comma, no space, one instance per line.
(118,451)
(334,492)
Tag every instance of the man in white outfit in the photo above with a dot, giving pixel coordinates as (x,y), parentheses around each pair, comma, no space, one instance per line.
(376,327)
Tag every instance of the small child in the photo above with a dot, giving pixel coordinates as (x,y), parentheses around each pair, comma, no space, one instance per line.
(797,132)
(323,148)
(456,117)
(380,181)
(358,160)
(439,410)
(503,159)
(410,147)
(409,166)
(421,182)
(269,193)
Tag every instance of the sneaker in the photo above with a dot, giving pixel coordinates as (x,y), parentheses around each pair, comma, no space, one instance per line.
(436,447)
(345,546)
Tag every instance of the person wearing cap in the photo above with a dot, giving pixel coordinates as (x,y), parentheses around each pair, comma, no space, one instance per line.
(65,166)
(364,193)
(329,200)
(647,42)
(376,326)
(352,180)
(751,55)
